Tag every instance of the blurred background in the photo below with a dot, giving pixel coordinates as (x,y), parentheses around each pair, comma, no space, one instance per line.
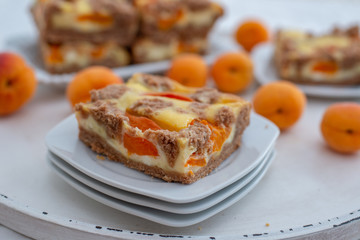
(314,15)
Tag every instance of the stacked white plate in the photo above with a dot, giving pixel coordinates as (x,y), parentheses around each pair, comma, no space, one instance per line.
(171,204)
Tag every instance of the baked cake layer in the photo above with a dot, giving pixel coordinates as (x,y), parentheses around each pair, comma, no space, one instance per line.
(162,20)
(91,20)
(148,50)
(327,59)
(162,128)
(73,56)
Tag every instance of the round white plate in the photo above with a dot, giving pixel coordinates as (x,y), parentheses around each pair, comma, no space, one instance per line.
(141,200)
(162,217)
(257,139)
(29,49)
(265,72)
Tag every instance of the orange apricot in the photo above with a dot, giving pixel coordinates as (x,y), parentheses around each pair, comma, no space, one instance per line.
(138,145)
(88,79)
(142,123)
(250,33)
(232,72)
(281,102)
(196,162)
(325,67)
(17,83)
(340,127)
(188,69)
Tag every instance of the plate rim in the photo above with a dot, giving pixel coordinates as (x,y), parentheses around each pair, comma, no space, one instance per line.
(177,208)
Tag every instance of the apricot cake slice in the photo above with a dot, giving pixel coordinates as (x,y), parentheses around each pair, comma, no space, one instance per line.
(95,21)
(328,59)
(164,129)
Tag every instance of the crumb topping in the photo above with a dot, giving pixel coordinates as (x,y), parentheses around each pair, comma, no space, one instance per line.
(199,137)
(161,7)
(197,5)
(206,95)
(199,109)
(148,106)
(224,117)
(109,116)
(157,83)
(109,92)
(167,141)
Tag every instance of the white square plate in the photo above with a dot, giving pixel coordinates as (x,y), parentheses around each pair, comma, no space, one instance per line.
(257,139)
(162,217)
(265,72)
(185,208)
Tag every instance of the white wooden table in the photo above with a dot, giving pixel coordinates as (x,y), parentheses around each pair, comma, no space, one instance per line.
(321,188)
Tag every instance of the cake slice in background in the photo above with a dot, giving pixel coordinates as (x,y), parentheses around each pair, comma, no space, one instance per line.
(79,33)
(332,58)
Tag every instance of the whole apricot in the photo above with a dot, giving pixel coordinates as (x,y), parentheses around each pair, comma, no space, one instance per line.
(250,33)
(232,72)
(95,77)
(17,82)
(189,70)
(281,102)
(340,127)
